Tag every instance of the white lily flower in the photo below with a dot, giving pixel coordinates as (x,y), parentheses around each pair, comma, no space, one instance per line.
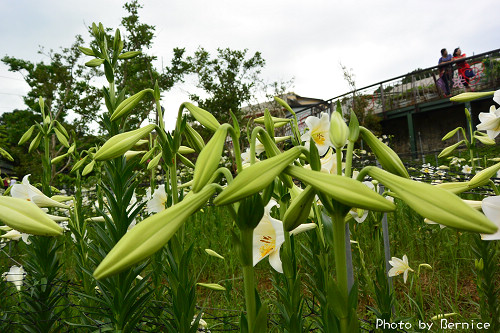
(491,208)
(157,202)
(268,237)
(466,169)
(15,275)
(245,158)
(28,192)
(15,235)
(259,147)
(490,121)
(319,132)
(399,266)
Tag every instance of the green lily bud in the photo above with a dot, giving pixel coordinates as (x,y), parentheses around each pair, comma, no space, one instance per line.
(27,135)
(79,164)
(86,51)
(185,150)
(88,168)
(389,160)
(435,203)
(483,177)
(72,149)
(147,156)
(141,142)
(185,161)
(61,198)
(353,127)
(154,162)
(133,153)
(60,136)
(339,132)
(209,158)
(151,234)
(470,96)
(129,54)
(58,158)
(450,134)
(256,177)
(448,150)
(194,138)
(127,105)
(26,217)
(485,139)
(119,144)
(5,154)
(284,104)
(94,62)
(479,264)
(212,253)
(205,118)
(268,123)
(157,94)
(213,286)
(454,187)
(278,122)
(61,128)
(345,190)
(273,150)
(298,211)
(35,143)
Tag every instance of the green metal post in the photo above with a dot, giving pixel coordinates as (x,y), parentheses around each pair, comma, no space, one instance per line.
(411,134)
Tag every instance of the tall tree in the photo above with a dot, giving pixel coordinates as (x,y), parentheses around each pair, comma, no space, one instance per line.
(229,80)
(139,72)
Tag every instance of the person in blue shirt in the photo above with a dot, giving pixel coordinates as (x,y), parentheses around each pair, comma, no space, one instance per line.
(445,70)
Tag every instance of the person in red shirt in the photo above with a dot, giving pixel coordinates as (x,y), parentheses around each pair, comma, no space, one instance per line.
(464,70)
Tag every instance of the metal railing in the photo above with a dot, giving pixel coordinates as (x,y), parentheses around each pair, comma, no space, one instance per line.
(419,86)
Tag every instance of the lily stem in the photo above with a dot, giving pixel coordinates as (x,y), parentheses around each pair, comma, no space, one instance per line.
(340,263)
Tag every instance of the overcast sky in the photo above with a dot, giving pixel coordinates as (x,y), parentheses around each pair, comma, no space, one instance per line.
(302,39)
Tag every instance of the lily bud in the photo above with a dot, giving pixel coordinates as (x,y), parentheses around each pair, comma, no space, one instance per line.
(94,62)
(79,164)
(345,190)
(213,286)
(58,158)
(485,139)
(133,153)
(454,187)
(147,156)
(298,211)
(129,54)
(185,150)
(62,139)
(450,134)
(470,96)
(212,253)
(483,177)
(389,160)
(209,158)
(88,168)
(26,217)
(339,132)
(119,144)
(353,127)
(35,143)
(435,203)
(194,138)
(256,177)
(154,162)
(127,105)
(278,122)
(448,150)
(203,117)
(27,135)
(151,234)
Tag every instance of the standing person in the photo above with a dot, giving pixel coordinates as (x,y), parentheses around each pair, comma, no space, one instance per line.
(445,71)
(464,70)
